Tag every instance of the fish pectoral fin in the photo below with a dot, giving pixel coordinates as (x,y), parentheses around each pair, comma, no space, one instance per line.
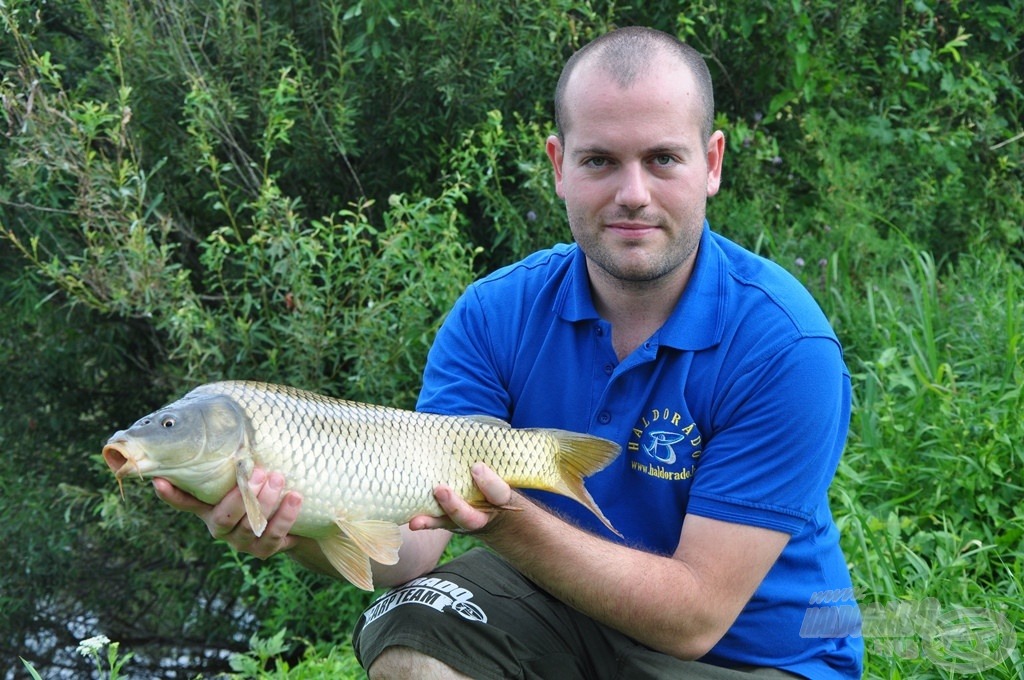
(378,539)
(348,559)
(253,511)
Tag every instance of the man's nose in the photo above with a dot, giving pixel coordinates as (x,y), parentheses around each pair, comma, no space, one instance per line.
(633,191)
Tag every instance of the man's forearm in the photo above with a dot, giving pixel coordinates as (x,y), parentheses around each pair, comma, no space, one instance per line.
(654,599)
(680,605)
(419,554)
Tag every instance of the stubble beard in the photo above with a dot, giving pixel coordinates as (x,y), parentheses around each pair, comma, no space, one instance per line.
(620,261)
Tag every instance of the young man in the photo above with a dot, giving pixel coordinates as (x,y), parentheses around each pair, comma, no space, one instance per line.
(714,370)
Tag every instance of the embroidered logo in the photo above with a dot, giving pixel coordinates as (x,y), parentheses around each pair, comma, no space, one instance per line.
(429,591)
(668,446)
(660,446)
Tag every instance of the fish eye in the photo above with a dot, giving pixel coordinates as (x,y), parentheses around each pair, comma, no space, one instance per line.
(167,422)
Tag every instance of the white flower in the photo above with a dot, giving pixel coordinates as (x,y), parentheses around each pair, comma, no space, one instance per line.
(93,645)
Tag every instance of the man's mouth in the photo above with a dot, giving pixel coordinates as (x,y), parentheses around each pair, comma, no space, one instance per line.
(632,229)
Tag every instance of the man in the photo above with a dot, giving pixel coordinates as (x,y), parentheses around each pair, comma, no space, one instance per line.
(713,369)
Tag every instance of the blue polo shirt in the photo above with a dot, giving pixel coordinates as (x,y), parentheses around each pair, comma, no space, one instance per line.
(736,409)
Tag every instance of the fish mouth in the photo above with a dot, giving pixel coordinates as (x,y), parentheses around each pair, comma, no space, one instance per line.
(123,459)
(119,459)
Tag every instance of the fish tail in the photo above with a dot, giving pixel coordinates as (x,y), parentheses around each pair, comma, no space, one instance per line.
(578,456)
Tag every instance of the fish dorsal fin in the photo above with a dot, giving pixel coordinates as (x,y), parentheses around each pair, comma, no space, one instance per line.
(253,511)
(378,539)
(489,420)
(347,558)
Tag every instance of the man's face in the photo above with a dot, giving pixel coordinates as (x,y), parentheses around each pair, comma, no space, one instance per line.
(635,172)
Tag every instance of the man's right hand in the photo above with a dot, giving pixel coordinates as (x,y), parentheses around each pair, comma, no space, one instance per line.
(226,519)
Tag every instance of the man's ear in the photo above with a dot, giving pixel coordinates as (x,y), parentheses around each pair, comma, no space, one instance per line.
(555,152)
(716,150)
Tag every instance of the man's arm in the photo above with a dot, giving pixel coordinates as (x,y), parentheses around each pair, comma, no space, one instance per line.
(226,521)
(681,605)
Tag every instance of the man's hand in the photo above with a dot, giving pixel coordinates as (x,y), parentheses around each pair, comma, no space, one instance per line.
(227,521)
(460,516)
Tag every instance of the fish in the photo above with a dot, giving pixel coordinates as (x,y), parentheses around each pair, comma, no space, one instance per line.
(363,470)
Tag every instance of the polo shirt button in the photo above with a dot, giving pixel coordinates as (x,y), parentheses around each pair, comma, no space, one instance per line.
(599,330)
(608,369)
(604,417)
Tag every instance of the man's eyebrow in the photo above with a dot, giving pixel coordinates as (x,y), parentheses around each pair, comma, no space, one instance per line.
(679,149)
(590,151)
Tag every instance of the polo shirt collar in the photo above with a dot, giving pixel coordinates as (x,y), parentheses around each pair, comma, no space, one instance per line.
(573,302)
(696,323)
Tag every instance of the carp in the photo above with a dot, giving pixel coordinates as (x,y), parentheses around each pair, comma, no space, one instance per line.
(362,469)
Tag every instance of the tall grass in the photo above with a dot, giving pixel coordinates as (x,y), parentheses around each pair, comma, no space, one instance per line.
(928,495)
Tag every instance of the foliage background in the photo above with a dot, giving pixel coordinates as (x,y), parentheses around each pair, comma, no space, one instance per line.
(297,192)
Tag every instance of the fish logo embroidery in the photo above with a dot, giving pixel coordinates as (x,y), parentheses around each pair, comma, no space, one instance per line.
(660,446)
(663,446)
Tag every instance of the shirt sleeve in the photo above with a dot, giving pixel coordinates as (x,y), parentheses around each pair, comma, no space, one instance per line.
(781,428)
(461,376)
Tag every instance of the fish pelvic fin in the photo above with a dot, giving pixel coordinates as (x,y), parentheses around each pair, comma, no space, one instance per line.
(379,539)
(349,561)
(350,551)
(253,511)
(579,456)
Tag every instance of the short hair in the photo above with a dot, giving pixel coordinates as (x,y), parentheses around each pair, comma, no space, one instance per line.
(627,54)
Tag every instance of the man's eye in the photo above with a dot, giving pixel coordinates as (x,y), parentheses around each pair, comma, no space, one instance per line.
(597,162)
(664,160)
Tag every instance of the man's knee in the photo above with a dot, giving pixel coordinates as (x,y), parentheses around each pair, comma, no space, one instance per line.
(405,662)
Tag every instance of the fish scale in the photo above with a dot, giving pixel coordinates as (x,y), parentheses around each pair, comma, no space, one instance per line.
(362,469)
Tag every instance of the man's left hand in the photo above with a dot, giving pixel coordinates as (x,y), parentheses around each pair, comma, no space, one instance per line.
(460,516)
